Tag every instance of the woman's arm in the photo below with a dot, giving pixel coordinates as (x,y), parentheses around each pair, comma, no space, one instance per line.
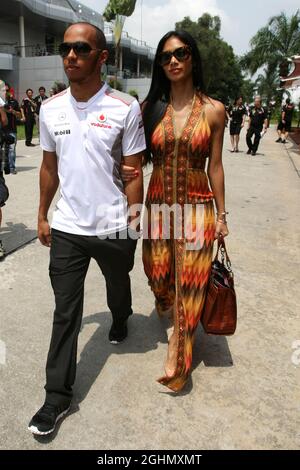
(216,118)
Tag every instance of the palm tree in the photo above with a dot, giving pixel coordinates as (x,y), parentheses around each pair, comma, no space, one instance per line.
(267,83)
(117,11)
(274,43)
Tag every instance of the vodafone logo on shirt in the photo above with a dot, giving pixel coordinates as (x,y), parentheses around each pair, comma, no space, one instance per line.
(102,118)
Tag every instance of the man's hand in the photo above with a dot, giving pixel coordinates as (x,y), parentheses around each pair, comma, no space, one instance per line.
(44,232)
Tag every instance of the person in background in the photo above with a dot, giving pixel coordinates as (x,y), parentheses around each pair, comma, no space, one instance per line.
(13,112)
(237,116)
(3,187)
(38,101)
(285,123)
(28,109)
(10,89)
(258,121)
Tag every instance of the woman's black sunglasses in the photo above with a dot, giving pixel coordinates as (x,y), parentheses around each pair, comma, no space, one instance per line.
(80,48)
(181,54)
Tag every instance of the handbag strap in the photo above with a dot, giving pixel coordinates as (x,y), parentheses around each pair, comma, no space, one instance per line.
(224,255)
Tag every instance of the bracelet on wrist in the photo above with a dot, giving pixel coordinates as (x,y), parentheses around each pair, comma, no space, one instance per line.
(222,213)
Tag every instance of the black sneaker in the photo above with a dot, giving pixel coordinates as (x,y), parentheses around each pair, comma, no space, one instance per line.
(45,420)
(249,152)
(278,140)
(118,332)
(283,141)
(253,153)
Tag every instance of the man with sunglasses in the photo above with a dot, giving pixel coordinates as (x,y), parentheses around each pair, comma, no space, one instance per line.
(85,132)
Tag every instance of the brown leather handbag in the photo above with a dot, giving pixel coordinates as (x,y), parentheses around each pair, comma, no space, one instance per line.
(219,315)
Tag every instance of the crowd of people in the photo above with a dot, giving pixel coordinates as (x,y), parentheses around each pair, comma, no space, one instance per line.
(11,114)
(257,118)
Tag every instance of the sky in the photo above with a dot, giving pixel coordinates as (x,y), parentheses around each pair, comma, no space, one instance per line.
(240,19)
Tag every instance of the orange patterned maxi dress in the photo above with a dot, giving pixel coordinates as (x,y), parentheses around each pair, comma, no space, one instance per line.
(178,266)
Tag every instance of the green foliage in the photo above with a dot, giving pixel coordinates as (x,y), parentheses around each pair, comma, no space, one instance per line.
(271,46)
(118,7)
(117,85)
(133,93)
(267,83)
(247,90)
(222,72)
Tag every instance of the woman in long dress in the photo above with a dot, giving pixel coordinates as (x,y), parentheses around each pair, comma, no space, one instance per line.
(184,129)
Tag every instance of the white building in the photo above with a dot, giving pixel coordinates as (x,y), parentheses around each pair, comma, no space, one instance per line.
(291,83)
(31,31)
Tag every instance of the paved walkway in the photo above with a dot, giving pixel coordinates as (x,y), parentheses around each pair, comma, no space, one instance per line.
(244,392)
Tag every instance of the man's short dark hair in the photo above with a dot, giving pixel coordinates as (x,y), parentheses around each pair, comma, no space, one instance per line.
(100,37)
(29,89)
(42,88)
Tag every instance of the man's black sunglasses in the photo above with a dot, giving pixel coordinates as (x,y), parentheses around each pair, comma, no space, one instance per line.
(181,54)
(80,48)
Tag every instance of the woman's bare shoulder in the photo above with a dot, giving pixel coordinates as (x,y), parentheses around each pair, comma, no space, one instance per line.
(215,112)
(213,106)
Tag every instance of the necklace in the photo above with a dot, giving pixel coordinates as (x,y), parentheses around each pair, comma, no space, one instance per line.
(178,136)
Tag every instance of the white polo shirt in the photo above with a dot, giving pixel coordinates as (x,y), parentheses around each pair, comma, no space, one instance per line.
(90,139)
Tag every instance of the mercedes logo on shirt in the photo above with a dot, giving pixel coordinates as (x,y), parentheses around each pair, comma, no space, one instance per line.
(62,116)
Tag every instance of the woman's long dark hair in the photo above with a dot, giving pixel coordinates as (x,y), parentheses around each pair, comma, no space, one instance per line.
(236,100)
(159,93)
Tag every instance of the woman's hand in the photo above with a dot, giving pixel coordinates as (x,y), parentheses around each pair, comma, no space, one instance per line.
(128,173)
(221,229)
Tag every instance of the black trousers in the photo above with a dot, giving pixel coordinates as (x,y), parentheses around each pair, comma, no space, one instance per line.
(29,123)
(253,146)
(70,256)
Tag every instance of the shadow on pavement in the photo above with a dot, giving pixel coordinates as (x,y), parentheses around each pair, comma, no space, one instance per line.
(145,332)
(20,169)
(14,236)
(212,350)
